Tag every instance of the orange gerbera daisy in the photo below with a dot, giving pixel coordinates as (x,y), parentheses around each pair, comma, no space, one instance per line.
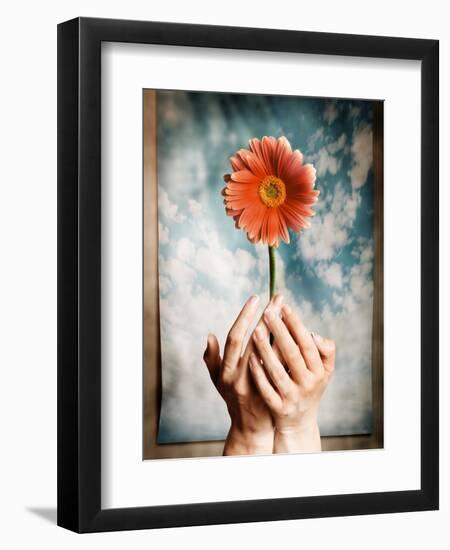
(269,190)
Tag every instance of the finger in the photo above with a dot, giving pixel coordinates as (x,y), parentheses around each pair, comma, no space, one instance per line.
(235,339)
(212,357)
(278,353)
(327,350)
(265,388)
(288,347)
(303,338)
(272,365)
(276,303)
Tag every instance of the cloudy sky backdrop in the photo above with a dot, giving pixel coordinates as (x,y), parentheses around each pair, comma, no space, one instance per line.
(207,268)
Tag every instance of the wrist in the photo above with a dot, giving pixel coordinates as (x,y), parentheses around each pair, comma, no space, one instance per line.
(300,436)
(241,441)
(306,422)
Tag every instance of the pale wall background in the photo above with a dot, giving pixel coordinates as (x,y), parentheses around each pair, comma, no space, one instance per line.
(28,272)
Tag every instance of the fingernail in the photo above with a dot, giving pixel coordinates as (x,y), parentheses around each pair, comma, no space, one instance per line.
(269,314)
(259,333)
(253,299)
(316,337)
(287,309)
(278,299)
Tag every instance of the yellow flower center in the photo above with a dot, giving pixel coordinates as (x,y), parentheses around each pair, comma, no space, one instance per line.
(272,191)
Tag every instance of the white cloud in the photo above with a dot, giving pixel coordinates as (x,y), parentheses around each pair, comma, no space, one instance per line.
(326,163)
(358,288)
(362,151)
(349,394)
(330,228)
(331,274)
(315,137)
(184,165)
(330,113)
(165,284)
(169,209)
(163,232)
(361,283)
(195,208)
(246,260)
(324,159)
(337,145)
(177,271)
(185,250)
(367,254)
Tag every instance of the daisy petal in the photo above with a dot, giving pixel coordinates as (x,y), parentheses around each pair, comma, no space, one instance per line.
(253,163)
(245,176)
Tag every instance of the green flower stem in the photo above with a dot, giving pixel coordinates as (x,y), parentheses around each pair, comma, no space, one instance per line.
(273,276)
(272,270)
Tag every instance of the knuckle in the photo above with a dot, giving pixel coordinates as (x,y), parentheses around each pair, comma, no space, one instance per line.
(277,376)
(227,365)
(224,379)
(321,378)
(289,395)
(270,401)
(308,386)
(239,389)
(287,313)
(307,348)
(287,412)
(233,340)
(292,356)
(274,406)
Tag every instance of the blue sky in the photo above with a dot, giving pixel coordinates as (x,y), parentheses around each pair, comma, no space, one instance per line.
(208,268)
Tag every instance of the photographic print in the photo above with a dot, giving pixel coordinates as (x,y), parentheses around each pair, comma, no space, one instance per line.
(221,274)
(263,274)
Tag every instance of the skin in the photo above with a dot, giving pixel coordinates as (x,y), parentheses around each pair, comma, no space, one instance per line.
(292,388)
(272,392)
(252,429)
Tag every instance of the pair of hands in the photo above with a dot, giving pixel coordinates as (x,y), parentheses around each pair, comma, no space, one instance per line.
(272,392)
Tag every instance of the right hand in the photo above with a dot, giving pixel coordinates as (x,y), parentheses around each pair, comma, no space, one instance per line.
(292,389)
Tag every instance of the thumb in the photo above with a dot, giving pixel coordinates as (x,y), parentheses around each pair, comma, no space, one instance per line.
(212,357)
(327,350)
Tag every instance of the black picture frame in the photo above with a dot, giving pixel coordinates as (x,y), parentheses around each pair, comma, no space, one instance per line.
(79,274)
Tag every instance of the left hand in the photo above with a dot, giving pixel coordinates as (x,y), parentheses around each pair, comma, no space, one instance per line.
(251,430)
(293,394)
